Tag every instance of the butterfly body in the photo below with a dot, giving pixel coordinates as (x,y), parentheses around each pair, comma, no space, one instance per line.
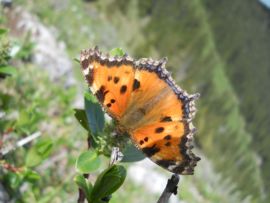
(147,104)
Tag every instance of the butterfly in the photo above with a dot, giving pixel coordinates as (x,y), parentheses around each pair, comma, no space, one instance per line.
(147,104)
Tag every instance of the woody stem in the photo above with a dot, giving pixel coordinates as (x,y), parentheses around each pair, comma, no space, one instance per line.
(81,197)
(171,188)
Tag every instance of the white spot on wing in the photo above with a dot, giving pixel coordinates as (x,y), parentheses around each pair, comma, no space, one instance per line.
(86,71)
(171,167)
(94,88)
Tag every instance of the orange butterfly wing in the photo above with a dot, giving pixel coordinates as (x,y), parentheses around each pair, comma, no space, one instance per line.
(147,104)
(109,82)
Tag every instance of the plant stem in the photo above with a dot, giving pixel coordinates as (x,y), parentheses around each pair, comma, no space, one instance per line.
(171,188)
(81,197)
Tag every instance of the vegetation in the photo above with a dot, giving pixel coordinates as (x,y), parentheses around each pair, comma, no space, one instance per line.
(219,50)
(220,131)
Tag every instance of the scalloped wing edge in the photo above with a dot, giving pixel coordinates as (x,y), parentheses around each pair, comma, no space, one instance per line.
(157,66)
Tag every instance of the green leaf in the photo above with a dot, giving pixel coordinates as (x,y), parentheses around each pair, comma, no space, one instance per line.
(117,52)
(82,118)
(8,70)
(38,152)
(85,185)
(44,147)
(94,113)
(13,179)
(33,158)
(77,60)
(6,101)
(132,154)
(108,182)
(3,31)
(24,49)
(87,162)
(31,176)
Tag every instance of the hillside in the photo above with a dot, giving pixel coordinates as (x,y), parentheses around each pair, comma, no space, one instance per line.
(220,50)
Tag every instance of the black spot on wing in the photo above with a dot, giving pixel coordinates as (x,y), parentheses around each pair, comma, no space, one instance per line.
(101,93)
(136,84)
(180,168)
(90,77)
(150,151)
(109,78)
(85,63)
(116,80)
(146,139)
(159,130)
(167,137)
(166,119)
(165,163)
(112,100)
(109,105)
(123,89)
(168,144)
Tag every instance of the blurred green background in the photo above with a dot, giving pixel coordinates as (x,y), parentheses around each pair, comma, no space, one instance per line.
(220,49)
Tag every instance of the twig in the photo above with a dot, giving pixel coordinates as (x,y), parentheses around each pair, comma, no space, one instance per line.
(20,143)
(9,167)
(81,197)
(171,188)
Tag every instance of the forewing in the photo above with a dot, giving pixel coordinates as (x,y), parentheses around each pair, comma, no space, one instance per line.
(109,79)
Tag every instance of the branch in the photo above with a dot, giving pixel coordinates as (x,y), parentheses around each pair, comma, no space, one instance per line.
(9,167)
(171,188)
(6,149)
(81,197)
